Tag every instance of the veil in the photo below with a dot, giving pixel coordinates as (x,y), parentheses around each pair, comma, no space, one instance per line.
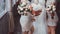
(33,1)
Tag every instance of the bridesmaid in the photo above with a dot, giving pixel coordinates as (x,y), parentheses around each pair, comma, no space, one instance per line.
(52,17)
(26,16)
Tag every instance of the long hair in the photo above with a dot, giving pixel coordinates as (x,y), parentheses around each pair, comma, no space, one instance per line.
(16,16)
(30,0)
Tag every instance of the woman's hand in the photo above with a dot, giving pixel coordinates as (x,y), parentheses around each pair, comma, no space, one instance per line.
(33,19)
(30,7)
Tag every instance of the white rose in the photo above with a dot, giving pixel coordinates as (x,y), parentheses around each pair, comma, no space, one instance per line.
(23,4)
(54,8)
(21,8)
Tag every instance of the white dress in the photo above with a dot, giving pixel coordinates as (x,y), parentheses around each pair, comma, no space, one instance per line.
(40,25)
(50,21)
(25,21)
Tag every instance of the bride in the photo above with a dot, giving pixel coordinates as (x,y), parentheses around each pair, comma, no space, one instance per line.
(38,10)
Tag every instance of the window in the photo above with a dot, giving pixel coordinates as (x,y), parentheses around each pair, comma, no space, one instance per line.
(2,7)
(5,5)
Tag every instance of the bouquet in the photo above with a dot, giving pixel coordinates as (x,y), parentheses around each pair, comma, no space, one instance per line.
(51,9)
(23,8)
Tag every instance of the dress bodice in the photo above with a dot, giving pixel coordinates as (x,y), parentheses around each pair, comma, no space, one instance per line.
(52,20)
(41,18)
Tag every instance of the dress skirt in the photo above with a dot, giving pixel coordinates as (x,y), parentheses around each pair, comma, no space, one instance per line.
(40,24)
(25,23)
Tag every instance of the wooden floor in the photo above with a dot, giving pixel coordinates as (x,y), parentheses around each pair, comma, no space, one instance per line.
(4,24)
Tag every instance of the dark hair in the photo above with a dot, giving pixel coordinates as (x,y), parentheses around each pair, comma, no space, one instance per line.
(30,0)
(18,2)
(46,16)
(52,15)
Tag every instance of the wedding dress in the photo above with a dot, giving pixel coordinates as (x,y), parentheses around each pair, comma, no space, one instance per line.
(40,25)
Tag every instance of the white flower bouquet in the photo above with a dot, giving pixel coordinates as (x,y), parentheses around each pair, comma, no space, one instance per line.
(51,9)
(23,8)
